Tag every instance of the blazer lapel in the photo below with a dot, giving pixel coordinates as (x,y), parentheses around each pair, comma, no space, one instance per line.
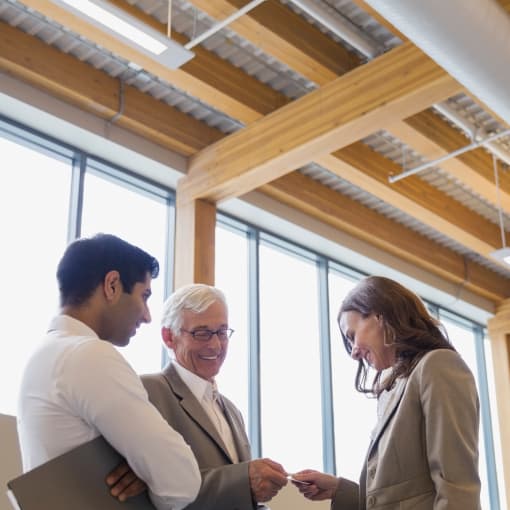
(389,407)
(238,433)
(192,406)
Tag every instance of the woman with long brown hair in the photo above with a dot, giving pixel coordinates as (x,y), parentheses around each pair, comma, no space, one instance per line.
(423,453)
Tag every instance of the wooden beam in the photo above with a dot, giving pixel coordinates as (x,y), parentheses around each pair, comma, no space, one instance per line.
(433,138)
(347,215)
(194,250)
(287,36)
(368,170)
(75,82)
(180,78)
(256,98)
(395,85)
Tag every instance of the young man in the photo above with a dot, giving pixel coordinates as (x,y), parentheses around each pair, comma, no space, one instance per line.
(195,327)
(77,386)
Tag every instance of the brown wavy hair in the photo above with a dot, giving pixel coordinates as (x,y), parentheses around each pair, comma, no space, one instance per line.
(407,324)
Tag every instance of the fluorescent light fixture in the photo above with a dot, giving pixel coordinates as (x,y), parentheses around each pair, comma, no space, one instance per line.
(129,30)
(502,254)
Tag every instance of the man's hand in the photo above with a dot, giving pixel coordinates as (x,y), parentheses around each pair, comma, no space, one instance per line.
(319,486)
(266,479)
(124,483)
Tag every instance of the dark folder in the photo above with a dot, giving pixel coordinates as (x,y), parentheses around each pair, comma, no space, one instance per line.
(74,480)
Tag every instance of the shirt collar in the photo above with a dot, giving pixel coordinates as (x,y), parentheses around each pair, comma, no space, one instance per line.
(201,389)
(72,325)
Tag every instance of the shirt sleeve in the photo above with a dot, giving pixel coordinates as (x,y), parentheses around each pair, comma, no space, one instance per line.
(104,391)
(451,409)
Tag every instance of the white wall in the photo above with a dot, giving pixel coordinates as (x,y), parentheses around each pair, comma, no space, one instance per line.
(10,461)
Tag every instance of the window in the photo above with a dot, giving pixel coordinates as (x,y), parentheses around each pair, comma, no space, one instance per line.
(34,202)
(232,278)
(111,206)
(40,211)
(289,360)
(355,414)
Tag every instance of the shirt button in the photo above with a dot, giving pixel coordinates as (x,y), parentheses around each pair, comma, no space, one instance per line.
(371,501)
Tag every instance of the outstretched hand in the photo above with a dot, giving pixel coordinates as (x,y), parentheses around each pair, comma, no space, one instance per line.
(319,486)
(124,483)
(266,479)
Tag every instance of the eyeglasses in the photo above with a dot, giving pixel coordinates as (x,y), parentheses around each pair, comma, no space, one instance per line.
(204,335)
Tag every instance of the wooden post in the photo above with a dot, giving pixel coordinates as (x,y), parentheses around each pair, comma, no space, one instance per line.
(194,240)
(499,334)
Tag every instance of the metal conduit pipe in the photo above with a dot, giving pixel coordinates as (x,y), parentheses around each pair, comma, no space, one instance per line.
(341,27)
(222,24)
(471,131)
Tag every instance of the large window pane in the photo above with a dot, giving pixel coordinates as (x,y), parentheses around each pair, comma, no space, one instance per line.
(354,414)
(232,278)
(111,208)
(34,199)
(290,363)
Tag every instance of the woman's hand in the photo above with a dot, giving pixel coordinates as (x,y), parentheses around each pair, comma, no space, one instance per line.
(124,483)
(317,486)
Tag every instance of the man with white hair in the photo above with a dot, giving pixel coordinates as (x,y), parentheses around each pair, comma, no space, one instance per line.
(195,327)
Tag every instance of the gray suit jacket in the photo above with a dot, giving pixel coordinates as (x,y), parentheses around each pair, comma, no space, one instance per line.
(424,449)
(225,485)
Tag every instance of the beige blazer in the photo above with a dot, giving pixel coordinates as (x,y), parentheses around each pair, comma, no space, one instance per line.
(424,449)
(225,485)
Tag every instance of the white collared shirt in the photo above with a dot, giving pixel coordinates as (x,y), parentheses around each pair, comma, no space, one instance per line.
(76,387)
(203,391)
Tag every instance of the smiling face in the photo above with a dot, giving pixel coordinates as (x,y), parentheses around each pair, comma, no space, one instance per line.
(203,358)
(367,340)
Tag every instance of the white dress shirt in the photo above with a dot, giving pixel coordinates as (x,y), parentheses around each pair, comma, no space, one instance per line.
(76,387)
(207,394)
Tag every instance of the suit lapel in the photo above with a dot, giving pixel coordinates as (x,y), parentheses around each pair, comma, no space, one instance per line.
(389,407)
(192,406)
(238,433)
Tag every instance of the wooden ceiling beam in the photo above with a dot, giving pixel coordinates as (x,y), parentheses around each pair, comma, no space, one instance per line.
(347,215)
(393,86)
(239,101)
(433,138)
(75,82)
(206,67)
(368,170)
(287,36)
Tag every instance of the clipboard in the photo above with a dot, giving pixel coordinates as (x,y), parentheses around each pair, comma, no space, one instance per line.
(74,480)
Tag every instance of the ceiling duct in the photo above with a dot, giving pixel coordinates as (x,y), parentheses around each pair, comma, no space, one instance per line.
(470,39)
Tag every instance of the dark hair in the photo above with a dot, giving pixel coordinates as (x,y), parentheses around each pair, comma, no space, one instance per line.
(86,262)
(407,325)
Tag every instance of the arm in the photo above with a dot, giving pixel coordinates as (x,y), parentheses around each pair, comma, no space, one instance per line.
(105,392)
(344,494)
(450,405)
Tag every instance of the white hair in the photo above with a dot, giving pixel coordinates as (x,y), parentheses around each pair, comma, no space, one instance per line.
(196,298)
